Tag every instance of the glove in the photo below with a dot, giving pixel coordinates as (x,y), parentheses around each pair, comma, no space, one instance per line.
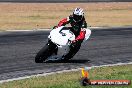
(54,27)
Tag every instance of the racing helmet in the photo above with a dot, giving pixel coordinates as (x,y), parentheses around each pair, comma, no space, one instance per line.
(78,14)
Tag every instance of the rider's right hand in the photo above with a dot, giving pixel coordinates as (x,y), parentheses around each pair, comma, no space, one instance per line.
(55,27)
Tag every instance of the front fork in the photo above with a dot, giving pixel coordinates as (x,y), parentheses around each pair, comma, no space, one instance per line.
(52,47)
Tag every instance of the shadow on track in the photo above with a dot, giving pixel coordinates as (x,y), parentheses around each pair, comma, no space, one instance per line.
(69,61)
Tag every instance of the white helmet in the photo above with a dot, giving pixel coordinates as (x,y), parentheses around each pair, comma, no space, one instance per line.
(78,14)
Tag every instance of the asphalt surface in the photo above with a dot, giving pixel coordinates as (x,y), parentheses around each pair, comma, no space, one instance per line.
(18,49)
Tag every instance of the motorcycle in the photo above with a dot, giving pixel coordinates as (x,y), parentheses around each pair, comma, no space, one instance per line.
(58,44)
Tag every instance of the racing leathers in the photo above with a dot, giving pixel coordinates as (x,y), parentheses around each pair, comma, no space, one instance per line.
(78,28)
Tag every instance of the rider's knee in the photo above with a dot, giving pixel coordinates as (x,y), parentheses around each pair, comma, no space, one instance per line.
(88,33)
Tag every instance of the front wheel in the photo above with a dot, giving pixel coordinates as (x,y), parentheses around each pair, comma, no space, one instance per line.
(46,52)
(42,55)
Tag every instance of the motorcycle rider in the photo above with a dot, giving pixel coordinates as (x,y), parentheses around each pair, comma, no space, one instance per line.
(78,26)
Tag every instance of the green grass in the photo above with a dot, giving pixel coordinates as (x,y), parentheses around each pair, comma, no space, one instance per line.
(72,79)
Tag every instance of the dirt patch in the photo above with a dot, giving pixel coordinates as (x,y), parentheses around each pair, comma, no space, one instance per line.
(46,15)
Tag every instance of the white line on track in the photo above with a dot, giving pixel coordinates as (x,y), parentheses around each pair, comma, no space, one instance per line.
(45,74)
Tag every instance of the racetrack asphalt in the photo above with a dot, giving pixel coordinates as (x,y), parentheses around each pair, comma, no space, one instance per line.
(18,49)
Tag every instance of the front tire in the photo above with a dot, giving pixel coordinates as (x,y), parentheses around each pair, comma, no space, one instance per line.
(46,52)
(42,55)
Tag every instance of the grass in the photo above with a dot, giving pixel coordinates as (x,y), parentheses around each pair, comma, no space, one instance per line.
(72,79)
(46,15)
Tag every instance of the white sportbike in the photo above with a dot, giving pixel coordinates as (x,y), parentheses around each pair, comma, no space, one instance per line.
(58,44)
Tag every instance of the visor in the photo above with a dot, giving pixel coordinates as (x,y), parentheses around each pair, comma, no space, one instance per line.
(77,17)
